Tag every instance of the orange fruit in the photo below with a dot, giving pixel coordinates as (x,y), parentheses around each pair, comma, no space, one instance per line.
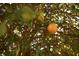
(52,27)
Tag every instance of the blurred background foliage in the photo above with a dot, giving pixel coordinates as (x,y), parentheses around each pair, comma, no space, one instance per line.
(23,29)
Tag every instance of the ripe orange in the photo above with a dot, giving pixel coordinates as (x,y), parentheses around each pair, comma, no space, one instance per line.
(52,27)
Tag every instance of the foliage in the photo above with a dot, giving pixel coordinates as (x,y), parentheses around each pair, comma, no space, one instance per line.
(23,29)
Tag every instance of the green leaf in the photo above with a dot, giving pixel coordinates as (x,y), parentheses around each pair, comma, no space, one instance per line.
(10,17)
(75,8)
(41,16)
(3,28)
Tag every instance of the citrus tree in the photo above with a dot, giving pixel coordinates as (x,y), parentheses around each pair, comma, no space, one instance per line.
(39,29)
